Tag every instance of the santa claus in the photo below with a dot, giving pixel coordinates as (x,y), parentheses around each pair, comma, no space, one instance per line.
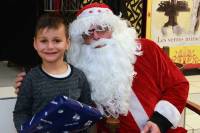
(132,80)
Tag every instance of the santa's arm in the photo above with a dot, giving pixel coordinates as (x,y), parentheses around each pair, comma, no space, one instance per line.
(174,88)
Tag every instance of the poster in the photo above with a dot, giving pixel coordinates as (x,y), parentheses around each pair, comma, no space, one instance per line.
(188,55)
(173,22)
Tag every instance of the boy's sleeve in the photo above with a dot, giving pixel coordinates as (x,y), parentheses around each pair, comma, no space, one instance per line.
(23,107)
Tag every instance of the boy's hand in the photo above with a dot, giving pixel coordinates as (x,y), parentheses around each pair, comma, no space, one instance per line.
(18,81)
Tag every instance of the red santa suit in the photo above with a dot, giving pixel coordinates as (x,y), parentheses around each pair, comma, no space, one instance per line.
(158,86)
(159,89)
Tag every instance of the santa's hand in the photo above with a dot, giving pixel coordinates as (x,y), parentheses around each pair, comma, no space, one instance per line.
(151,127)
(18,81)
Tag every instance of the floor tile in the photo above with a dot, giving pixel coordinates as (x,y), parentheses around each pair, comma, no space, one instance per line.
(7,92)
(195,97)
(196,130)
(192,120)
(194,89)
(193,78)
(190,129)
(7,74)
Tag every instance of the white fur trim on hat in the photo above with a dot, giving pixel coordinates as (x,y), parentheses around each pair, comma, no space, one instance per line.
(94,11)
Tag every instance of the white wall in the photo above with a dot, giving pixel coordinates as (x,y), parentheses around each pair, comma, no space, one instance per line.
(6,115)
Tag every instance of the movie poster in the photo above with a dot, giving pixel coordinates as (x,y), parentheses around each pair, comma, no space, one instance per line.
(173,22)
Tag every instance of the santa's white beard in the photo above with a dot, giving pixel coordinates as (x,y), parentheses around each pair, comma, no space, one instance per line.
(110,72)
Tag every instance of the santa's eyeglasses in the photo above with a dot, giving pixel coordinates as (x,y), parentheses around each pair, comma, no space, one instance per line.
(98,29)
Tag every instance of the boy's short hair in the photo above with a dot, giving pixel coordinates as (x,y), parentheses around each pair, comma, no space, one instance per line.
(51,20)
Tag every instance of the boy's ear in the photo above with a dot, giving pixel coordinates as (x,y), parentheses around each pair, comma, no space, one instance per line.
(34,43)
(68,44)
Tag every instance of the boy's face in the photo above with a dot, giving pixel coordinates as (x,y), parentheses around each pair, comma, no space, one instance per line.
(51,44)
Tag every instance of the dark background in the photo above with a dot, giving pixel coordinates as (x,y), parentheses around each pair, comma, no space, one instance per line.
(18,20)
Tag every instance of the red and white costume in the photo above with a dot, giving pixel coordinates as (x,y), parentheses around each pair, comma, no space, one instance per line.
(159,86)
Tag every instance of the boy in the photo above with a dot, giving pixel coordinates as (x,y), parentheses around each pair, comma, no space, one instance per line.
(54,76)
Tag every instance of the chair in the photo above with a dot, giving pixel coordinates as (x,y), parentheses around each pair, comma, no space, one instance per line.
(193,106)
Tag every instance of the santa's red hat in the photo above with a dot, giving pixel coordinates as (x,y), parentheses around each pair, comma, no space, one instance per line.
(93,9)
(93,14)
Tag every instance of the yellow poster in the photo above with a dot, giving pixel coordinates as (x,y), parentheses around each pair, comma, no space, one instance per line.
(185,54)
(173,22)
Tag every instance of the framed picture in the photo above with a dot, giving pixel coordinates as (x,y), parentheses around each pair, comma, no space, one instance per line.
(175,24)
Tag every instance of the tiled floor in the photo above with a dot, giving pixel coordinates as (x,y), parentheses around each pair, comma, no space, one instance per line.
(7,97)
(7,74)
(7,78)
(192,120)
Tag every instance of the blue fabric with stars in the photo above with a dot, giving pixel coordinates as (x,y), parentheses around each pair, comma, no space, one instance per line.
(62,115)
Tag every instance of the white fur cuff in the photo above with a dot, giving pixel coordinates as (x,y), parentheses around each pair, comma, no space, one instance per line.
(169,111)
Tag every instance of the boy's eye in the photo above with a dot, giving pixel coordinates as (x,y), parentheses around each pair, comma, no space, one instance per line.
(57,40)
(43,41)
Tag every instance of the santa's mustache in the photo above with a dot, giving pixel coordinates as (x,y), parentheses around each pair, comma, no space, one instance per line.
(103,42)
